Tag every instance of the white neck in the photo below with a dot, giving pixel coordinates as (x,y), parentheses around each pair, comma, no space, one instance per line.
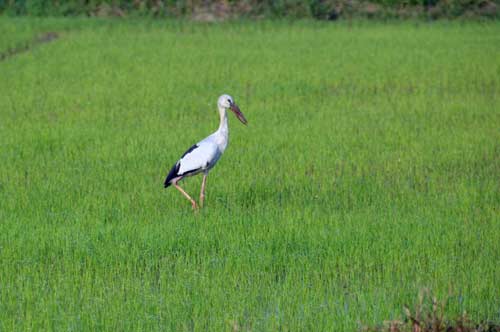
(223,128)
(223,132)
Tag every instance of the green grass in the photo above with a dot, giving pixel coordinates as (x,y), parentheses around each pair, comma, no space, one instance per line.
(20,32)
(369,170)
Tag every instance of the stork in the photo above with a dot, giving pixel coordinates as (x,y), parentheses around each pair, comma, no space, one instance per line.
(202,156)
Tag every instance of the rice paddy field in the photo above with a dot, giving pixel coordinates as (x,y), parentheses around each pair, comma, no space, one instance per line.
(369,171)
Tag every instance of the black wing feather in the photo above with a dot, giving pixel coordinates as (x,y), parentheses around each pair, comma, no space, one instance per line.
(189,150)
(174,172)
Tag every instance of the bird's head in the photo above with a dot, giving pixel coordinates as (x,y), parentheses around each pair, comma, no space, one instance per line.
(227,102)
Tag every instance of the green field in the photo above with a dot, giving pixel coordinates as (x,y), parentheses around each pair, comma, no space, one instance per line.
(369,170)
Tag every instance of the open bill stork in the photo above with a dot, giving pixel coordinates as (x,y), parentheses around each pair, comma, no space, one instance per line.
(202,156)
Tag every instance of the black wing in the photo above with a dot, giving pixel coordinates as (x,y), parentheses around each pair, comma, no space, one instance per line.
(174,172)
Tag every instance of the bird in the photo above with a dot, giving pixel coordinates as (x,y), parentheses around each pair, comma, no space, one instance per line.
(202,156)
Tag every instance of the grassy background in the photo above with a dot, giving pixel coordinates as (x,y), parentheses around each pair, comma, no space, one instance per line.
(369,170)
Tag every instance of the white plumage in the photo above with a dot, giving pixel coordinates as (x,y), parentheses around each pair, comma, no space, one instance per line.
(202,156)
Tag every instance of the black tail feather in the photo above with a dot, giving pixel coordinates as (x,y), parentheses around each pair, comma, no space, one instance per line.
(174,172)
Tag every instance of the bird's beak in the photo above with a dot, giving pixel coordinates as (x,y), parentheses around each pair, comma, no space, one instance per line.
(237,112)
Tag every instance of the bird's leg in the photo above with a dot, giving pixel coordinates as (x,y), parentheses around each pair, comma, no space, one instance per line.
(193,203)
(202,192)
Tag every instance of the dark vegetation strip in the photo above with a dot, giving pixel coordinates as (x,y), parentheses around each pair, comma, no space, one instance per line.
(46,37)
(212,10)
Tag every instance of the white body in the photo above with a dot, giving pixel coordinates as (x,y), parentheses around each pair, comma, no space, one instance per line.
(208,151)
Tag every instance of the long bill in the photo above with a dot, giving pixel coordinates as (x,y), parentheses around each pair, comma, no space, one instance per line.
(237,112)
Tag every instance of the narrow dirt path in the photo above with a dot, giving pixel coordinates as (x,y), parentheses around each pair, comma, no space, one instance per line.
(46,37)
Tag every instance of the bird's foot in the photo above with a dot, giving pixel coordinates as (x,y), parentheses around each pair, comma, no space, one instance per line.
(194,205)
